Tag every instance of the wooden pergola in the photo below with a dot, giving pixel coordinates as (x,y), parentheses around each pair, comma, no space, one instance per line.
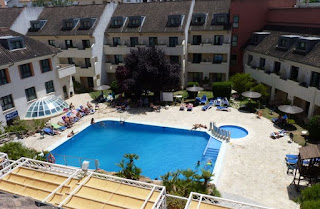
(308,164)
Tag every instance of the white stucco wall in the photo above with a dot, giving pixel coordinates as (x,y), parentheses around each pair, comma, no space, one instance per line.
(17,85)
(22,23)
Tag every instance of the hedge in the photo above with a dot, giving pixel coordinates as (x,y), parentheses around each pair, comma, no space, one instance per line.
(222,89)
(314,128)
(191,84)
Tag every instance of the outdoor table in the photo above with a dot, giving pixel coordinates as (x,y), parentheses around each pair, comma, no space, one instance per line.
(177,97)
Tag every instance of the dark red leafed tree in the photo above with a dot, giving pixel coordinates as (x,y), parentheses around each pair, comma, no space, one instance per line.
(148,69)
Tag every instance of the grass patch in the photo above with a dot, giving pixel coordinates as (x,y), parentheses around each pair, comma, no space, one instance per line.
(184,94)
(95,94)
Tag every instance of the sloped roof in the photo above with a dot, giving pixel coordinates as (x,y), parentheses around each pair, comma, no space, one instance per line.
(33,49)
(156,16)
(8,16)
(209,7)
(56,15)
(310,151)
(269,43)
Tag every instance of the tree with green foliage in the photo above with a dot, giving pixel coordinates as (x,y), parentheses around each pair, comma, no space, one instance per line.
(54,3)
(314,128)
(263,90)
(222,89)
(310,197)
(17,126)
(16,150)
(192,83)
(128,168)
(241,82)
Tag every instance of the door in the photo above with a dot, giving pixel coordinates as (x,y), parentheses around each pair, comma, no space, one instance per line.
(65,92)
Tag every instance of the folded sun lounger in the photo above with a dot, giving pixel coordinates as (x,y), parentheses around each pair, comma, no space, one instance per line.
(220,108)
(204,99)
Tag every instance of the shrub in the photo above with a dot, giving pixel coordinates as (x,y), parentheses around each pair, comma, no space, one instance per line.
(263,90)
(314,128)
(129,169)
(16,150)
(18,126)
(115,87)
(222,89)
(310,197)
(241,82)
(191,84)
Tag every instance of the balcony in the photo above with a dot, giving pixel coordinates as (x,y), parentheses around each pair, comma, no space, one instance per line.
(65,70)
(85,71)
(124,49)
(282,83)
(208,48)
(111,67)
(208,67)
(76,52)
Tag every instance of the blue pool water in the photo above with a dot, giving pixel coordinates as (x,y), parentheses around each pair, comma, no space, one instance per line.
(236,131)
(160,149)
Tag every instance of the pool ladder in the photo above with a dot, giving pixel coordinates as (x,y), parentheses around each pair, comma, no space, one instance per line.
(122,121)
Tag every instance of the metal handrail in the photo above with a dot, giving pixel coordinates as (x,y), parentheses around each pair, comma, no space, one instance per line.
(81,159)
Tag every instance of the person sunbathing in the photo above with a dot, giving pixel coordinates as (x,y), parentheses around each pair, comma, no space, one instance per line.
(89,105)
(198,125)
(71,106)
(71,134)
(54,131)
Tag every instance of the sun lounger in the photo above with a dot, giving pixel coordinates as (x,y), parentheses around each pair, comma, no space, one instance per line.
(225,102)
(218,101)
(197,100)
(220,108)
(204,99)
(182,107)
(189,107)
(291,156)
(276,135)
(208,106)
(58,127)
(48,131)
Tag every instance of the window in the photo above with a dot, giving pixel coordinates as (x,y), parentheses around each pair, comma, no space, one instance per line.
(6,102)
(233,59)
(250,58)
(118,59)
(198,19)
(70,61)
(45,65)
(277,68)
(116,22)
(4,76)
(196,40)
(87,62)
(85,24)
(35,25)
(17,44)
(68,24)
(174,59)
(49,86)
(69,44)
(195,77)
(234,40)
(116,41)
(217,58)
(294,73)
(52,42)
(133,41)
(221,19)
(283,42)
(90,82)
(217,77)
(196,58)
(174,20)
(315,80)
(302,45)
(173,41)
(153,41)
(235,23)
(262,63)
(218,40)
(31,94)
(86,44)
(25,71)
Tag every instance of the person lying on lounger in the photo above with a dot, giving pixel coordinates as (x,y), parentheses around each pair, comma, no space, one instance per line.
(196,126)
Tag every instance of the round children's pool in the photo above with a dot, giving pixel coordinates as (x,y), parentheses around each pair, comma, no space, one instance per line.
(236,131)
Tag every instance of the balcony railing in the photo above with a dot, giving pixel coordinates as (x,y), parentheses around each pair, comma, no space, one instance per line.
(65,70)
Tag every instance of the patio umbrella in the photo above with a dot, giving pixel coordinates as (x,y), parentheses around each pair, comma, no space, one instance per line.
(103,87)
(290,109)
(194,89)
(251,94)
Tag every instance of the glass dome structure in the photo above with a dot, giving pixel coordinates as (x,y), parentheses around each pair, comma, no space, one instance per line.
(46,107)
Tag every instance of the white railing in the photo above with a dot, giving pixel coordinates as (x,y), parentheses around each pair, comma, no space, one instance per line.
(219,133)
(202,198)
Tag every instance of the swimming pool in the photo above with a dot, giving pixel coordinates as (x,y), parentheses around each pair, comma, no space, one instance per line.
(236,131)
(161,149)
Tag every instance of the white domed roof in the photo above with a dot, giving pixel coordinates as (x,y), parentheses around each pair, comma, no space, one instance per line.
(46,107)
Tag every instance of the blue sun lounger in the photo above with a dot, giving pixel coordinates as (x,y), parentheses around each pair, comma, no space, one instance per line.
(291,156)
(204,99)
(48,131)
(208,106)
(220,108)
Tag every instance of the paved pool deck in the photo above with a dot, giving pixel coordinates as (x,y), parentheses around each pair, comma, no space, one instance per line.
(254,169)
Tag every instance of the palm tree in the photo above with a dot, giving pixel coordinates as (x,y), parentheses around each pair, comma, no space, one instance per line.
(206,175)
(128,169)
(131,157)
